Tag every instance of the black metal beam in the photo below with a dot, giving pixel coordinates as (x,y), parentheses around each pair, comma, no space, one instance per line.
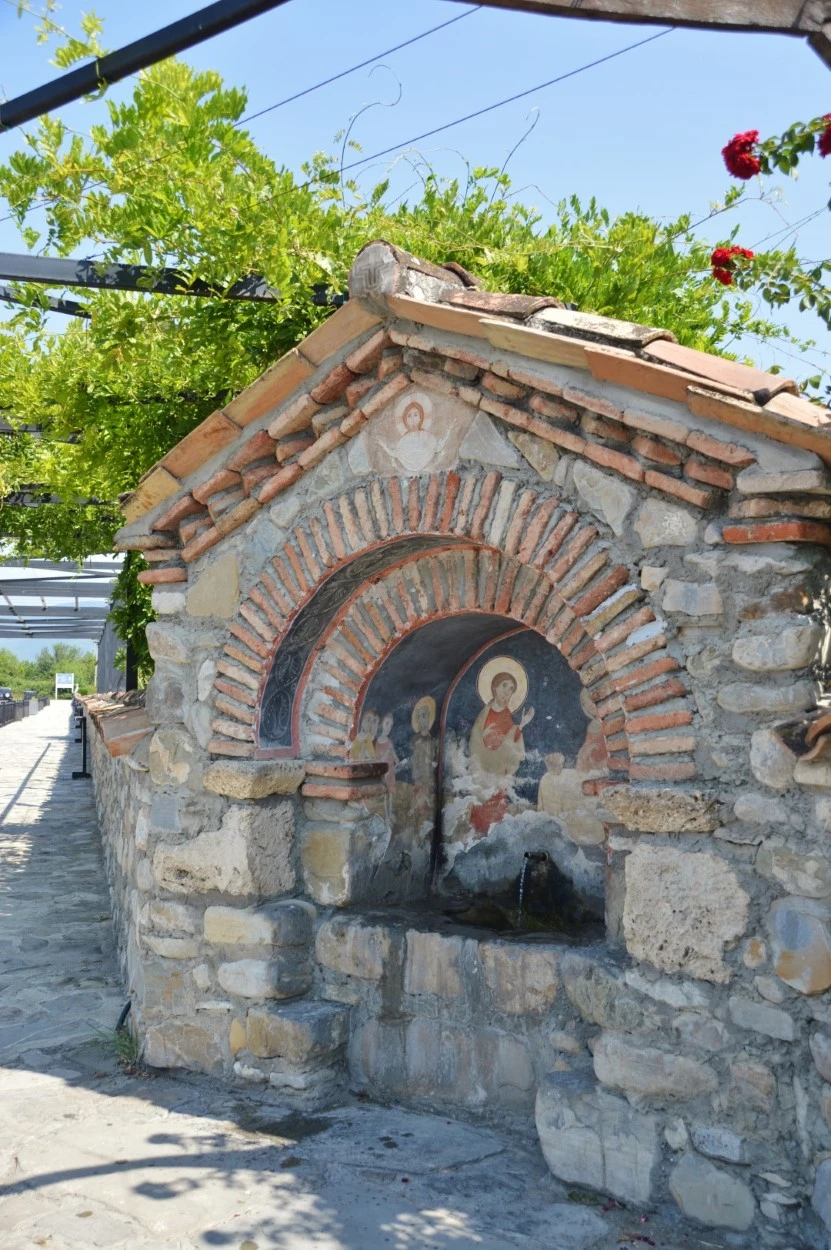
(52,271)
(70,307)
(87,79)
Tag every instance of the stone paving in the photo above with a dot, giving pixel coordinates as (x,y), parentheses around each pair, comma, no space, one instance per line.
(91,1157)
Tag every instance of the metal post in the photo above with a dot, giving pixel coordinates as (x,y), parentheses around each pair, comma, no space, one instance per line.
(81,721)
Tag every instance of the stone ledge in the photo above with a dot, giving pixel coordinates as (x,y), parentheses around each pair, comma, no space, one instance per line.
(254,779)
(653,810)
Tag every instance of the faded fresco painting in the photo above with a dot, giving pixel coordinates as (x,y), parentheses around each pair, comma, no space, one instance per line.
(486,758)
(520,739)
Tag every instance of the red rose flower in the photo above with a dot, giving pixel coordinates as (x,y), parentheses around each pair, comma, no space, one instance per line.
(738,155)
(824,143)
(722,259)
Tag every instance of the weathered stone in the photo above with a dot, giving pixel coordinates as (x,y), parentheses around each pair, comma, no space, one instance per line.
(671,921)
(757,809)
(253,779)
(652,576)
(249,855)
(770,760)
(771,989)
(237,1037)
(820,1043)
(676,1135)
(286,977)
(339,860)
(649,1072)
(172,947)
(607,496)
(822,813)
(821,1196)
(705,1032)
(777,652)
(755,953)
(752,1086)
(743,697)
(800,933)
(673,993)
(706,1193)
(216,591)
(172,756)
(166,642)
(177,1043)
(816,773)
(661,524)
(762,1018)
(589,1137)
(276,924)
(164,701)
(599,996)
(541,455)
(692,598)
(433,964)
(485,444)
(352,948)
(809,875)
(521,979)
(167,602)
(718,1142)
(205,679)
(645,810)
(302,1033)
(483,1068)
(172,917)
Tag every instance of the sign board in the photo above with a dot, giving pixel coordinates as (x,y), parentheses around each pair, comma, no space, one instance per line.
(64,681)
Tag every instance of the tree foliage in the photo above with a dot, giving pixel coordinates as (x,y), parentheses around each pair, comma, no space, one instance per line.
(39,674)
(171,178)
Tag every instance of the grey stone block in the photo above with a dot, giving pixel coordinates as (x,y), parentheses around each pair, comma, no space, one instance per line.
(591,1138)
(706,1193)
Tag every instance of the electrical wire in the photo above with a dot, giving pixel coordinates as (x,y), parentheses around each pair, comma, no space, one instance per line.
(298,95)
(520,95)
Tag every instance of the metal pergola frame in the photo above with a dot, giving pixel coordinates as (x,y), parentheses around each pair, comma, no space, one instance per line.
(83,593)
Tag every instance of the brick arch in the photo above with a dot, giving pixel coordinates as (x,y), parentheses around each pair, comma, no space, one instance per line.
(547,559)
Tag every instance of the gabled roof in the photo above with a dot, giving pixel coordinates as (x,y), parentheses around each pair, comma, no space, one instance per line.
(322,393)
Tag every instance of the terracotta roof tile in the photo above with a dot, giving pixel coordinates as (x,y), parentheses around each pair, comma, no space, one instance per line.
(214,433)
(336,331)
(441,316)
(495,304)
(608,364)
(271,389)
(597,329)
(767,420)
(555,349)
(153,489)
(718,369)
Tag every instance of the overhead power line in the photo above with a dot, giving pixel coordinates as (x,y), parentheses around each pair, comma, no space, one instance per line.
(52,271)
(161,44)
(298,95)
(520,95)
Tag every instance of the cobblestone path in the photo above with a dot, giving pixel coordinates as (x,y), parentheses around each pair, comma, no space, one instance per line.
(59,980)
(92,1158)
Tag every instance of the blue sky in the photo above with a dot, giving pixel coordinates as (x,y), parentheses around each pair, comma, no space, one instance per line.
(642,131)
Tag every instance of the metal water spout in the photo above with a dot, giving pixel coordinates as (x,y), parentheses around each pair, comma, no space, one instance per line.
(530,857)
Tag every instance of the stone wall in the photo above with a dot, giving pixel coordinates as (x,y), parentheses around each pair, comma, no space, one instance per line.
(684,1057)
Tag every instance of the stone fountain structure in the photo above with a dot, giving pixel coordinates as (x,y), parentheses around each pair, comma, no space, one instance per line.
(463,582)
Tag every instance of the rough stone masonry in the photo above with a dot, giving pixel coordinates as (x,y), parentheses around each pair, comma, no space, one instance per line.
(472,590)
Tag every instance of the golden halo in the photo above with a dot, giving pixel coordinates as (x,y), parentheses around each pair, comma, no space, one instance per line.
(503,664)
(429,702)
